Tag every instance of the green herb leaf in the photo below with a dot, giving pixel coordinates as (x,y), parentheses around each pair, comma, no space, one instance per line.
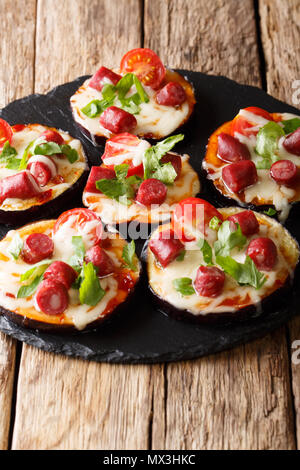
(151,160)
(7,152)
(47,148)
(267,139)
(69,152)
(215,223)
(121,171)
(90,290)
(270,212)
(129,256)
(183,285)
(291,125)
(228,239)
(121,188)
(244,273)
(108,92)
(32,277)
(206,250)
(15,246)
(181,256)
(140,90)
(13,163)
(76,260)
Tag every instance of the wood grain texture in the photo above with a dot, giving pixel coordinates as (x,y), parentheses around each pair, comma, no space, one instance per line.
(16,80)
(239,399)
(280,24)
(63,403)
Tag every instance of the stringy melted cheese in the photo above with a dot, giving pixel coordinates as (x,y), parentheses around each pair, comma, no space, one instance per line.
(266,190)
(153,119)
(76,314)
(70,172)
(234,296)
(112,212)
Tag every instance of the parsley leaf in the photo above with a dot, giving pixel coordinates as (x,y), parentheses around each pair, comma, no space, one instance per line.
(267,142)
(215,223)
(90,290)
(32,278)
(183,285)
(206,250)
(291,125)
(69,152)
(79,252)
(129,256)
(243,273)
(7,152)
(15,247)
(228,239)
(151,160)
(270,212)
(96,107)
(121,188)
(181,256)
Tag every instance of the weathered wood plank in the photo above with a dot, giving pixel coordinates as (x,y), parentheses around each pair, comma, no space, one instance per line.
(16,80)
(239,399)
(82,405)
(280,22)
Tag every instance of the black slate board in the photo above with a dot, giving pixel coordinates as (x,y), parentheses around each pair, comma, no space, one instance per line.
(143,334)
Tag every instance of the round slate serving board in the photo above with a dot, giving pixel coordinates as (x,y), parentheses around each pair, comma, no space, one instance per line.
(143,334)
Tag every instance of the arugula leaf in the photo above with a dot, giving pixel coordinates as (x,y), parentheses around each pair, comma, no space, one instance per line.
(7,152)
(15,247)
(206,250)
(291,125)
(243,273)
(151,160)
(183,285)
(90,290)
(267,139)
(228,239)
(129,256)
(270,212)
(33,277)
(181,256)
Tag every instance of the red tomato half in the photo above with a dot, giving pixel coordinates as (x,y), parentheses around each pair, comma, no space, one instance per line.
(6,132)
(122,144)
(193,214)
(82,217)
(242,126)
(146,65)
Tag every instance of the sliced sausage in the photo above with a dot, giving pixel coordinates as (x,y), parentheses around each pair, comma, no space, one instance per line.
(102,77)
(52,297)
(37,246)
(175,160)
(151,191)
(209,281)
(22,185)
(247,221)
(263,252)
(231,149)
(237,176)
(53,136)
(61,272)
(117,120)
(101,260)
(292,142)
(284,172)
(98,173)
(166,247)
(42,168)
(172,94)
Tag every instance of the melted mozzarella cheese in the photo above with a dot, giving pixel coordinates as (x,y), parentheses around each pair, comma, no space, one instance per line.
(152,119)
(161,279)
(70,172)
(11,270)
(47,161)
(112,212)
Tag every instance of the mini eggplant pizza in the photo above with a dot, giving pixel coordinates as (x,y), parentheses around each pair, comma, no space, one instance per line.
(65,274)
(40,167)
(138,181)
(210,264)
(141,97)
(255,159)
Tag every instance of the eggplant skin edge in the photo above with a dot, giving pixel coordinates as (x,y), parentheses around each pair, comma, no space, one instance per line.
(45,210)
(26,322)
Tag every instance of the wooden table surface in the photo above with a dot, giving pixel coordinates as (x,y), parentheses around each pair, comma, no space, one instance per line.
(246,398)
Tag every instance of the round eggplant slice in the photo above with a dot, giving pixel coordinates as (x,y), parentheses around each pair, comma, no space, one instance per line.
(235,302)
(113,212)
(154,121)
(64,178)
(119,285)
(265,191)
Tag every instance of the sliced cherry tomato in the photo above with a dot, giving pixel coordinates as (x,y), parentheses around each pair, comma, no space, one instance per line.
(244,127)
(83,216)
(118,146)
(146,65)
(193,214)
(6,132)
